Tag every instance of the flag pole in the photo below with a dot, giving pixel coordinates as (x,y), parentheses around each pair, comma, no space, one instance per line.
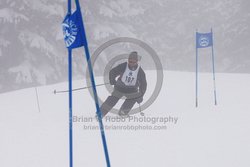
(196,74)
(70,109)
(98,111)
(75,37)
(70,98)
(215,98)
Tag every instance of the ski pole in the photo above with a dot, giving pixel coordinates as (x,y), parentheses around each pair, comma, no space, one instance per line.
(141,113)
(86,87)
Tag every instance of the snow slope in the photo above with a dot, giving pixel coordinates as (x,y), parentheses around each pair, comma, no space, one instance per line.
(201,137)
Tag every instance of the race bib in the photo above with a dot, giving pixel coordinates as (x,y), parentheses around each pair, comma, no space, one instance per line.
(129,77)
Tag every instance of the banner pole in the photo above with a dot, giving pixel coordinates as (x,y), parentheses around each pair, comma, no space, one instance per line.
(70,109)
(196,83)
(215,98)
(73,28)
(98,111)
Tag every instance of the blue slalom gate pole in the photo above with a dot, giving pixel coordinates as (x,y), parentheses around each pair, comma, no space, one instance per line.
(99,114)
(70,109)
(98,111)
(75,37)
(196,74)
(70,99)
(215,98)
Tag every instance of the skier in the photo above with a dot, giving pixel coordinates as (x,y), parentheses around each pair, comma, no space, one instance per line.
(129,80)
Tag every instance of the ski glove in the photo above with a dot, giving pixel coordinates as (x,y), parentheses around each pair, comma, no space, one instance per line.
(139,100)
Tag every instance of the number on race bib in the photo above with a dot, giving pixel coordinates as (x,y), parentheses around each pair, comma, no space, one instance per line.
(129,79)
